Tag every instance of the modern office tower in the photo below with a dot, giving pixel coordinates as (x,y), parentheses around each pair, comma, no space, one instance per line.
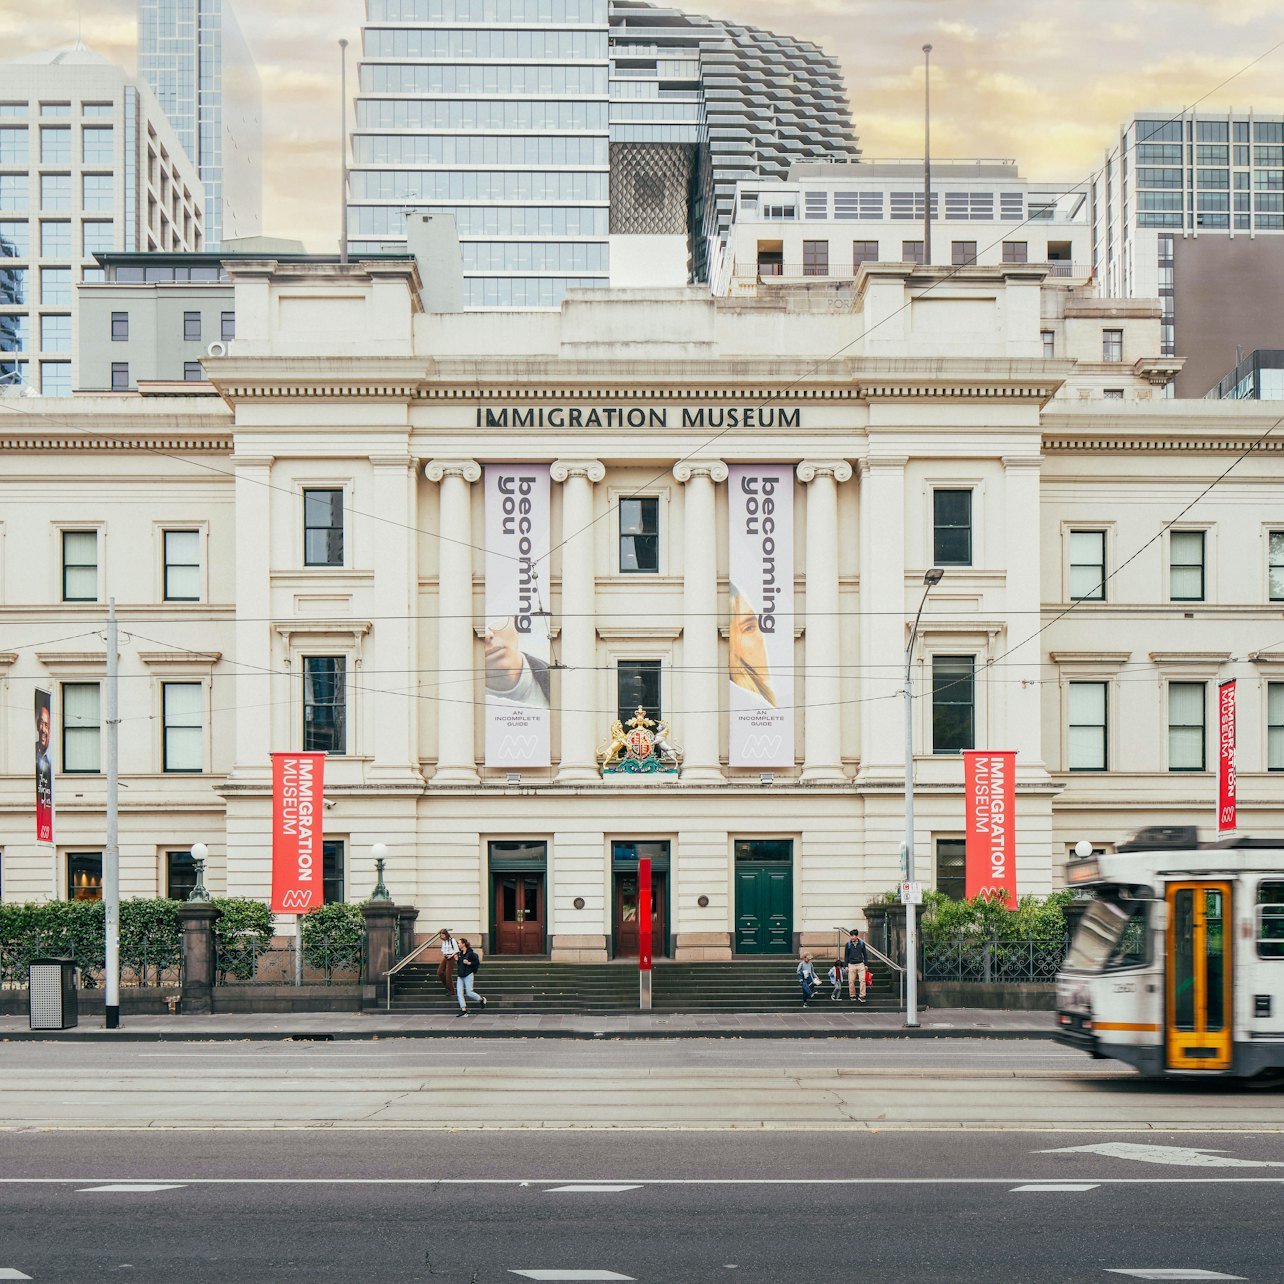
(1189,207)
(1258,377)
(88,163)
(194,58)
(576,142)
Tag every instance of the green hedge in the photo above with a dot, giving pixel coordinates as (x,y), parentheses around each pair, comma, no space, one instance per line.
(1041,920)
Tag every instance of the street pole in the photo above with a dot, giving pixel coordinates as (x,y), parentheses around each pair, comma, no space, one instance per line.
(111,856)
(927,154)
(932,578)
(343,150)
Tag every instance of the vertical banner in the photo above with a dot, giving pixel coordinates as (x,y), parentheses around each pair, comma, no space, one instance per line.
(646,915)
(989,797)
(517,641)
(44,767)
(297,807)
(1226,808)
(761,608)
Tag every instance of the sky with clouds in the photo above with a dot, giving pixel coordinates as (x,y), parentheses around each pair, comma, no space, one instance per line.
(1046,82)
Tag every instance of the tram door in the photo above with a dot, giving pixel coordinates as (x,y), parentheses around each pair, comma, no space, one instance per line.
(1198,976)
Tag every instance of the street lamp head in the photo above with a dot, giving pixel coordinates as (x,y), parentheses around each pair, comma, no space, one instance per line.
(199,851)
(933,576)
(927,49)
(343,44)
(1083,849)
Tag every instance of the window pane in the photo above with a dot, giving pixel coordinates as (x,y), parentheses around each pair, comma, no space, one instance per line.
(1187,583)
(1086,583)
(1277,566)
(84,876)
(80,723)
(1186,726)
(1088,702)
(80,566)
(952,527)
(638,683)
(332,872)
(953,696)
(951,867)
(180,875)
(1187,546)
(324,709)
(639,539)
(182,709)
(323,527)
(1275,726)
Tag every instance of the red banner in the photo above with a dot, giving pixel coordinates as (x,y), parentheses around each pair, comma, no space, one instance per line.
(989,792)
(44,767)
(1226,811)
(645,942)
(296,832)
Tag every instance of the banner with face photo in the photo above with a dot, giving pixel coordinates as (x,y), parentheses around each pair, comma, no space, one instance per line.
(761,505)
(44,767)
(518,652)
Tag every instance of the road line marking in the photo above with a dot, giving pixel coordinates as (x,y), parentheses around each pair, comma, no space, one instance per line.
(12,1273)
(589,1190)
(130,1187)
(100,1183)
(1062,1185)
(1171,1273)
(1184,1156)
(571,1275)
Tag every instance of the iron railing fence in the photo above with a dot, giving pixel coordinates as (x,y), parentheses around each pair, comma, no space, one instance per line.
(149,961)
(968,958)
(250,961)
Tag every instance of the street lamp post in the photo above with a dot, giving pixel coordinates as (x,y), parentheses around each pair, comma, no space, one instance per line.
(200,853)
(930,580)
(380,853)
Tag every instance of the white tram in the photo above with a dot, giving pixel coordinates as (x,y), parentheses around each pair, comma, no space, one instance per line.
(1177,965)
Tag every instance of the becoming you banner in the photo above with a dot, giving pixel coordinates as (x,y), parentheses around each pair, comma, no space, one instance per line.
(761,625)
(297,807)
(989,797)
(518,650)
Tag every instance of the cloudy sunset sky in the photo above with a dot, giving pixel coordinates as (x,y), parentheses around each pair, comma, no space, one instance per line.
(1043,81)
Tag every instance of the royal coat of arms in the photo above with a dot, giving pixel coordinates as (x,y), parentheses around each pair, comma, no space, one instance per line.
(638,747)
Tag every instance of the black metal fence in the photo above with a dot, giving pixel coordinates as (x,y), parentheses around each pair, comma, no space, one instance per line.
(990,961)
(250,961)
(149,961)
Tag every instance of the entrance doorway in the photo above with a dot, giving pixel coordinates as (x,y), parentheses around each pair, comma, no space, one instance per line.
(764,896)
(1198,998)
(626,927)
(518,916)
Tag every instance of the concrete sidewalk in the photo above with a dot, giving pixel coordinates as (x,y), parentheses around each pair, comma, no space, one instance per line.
(937,1023)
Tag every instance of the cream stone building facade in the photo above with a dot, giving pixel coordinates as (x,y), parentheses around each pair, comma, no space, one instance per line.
(301,561)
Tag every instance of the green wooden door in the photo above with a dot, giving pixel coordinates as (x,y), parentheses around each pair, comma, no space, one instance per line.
(764,909)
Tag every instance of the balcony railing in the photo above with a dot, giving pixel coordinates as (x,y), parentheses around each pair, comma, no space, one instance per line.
(844,272)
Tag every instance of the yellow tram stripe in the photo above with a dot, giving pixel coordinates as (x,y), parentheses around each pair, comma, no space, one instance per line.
(1137,1026)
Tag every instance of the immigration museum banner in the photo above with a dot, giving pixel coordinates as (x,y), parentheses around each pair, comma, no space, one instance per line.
(1226,780)
(989,796)
(761,625)
(518,651)
(297,807)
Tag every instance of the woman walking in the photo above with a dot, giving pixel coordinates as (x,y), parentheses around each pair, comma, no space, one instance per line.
(466,963)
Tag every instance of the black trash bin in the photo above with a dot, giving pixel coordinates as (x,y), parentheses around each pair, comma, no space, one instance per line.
(51,989)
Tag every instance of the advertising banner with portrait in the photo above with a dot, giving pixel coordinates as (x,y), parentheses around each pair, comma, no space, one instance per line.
(761,610)
(44,766)
(518,651)
(989,798)
(298,781)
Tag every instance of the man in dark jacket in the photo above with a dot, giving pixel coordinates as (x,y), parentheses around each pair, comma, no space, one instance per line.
(466,964)
(855,956)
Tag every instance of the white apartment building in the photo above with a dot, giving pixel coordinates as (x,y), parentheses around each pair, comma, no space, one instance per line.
(88,164)
(313,561)
(828,219)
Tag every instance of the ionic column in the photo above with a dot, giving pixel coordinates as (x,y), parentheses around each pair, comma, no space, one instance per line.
(456,752)
(822,717)
(579,622)
(702,684)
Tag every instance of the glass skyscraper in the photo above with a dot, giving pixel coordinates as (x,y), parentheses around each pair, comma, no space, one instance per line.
(548,127)
(193,57)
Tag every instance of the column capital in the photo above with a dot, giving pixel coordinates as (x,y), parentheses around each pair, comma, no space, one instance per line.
(714,469)
(439,469)
(564,469)
(839,469)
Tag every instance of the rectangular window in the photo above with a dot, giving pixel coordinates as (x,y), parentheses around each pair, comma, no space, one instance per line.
(815,258)
(1186,736)
(55,286)
(55,333)
(96,237)
(55,145)
(180,875)
(864,252)
(1087,566)
(55,378)
(227,326)
(1113,394)
(951,867)
(119,327)
(55,239)
(1112,345)
(84,876)
(15,239)
(96,145)
(1186,566)
(97,192)
(1270,920)
(193,372)
(81,722)
(182,566)
(1275,726)
(1016,251)
(1086,741)
(952,528)
(323,528)
(55,191)
(637,683)
(13,192)
(953,703)
(1276,569)
(324,704)
(120,376)
(13,145)
(80,566)
(333,880)
(1049,338)
(192,327)
(639,536)
(963,253)
(911,251)
(182,726)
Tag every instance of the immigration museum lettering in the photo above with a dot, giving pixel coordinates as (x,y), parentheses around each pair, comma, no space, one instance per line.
(638,417)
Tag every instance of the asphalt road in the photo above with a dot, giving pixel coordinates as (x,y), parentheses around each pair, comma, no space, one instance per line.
(912,1197)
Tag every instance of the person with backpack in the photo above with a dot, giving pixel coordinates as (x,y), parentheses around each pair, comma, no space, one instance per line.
(446,968)
(856,956)
(466,965)
(807,979)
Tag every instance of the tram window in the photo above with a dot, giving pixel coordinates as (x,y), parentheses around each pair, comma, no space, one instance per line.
(1110,935)
(1270,921)
(1133,948)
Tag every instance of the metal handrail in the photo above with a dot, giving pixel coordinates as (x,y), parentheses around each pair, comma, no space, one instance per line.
(874,950)
(410,958)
